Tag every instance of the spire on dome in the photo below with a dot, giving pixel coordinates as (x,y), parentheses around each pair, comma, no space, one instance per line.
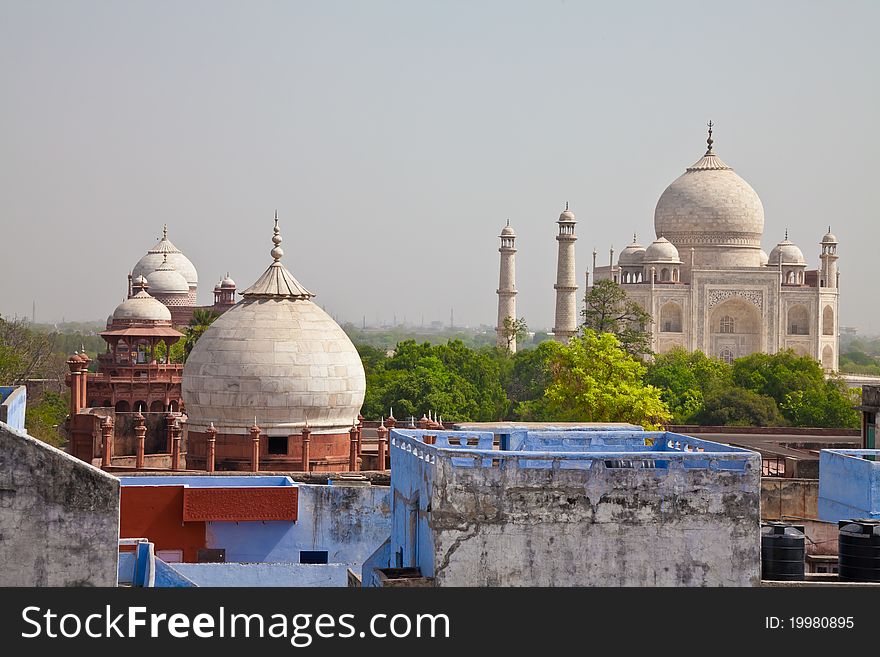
(277,282)
(709,141)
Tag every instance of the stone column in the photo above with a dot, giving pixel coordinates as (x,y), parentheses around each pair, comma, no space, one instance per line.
(255,448)
(84,379)
(175,445)
(140,432)
(73,366)
(506,287)
(383,446)
(211,448)
(306,449)
(106,441)
(566,279)
(360,437)
(169,422)
(353,450)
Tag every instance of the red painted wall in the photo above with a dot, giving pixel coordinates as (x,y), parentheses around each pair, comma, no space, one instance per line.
(156,513)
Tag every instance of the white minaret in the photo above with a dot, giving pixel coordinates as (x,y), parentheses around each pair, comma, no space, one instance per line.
(829,260)
(566,284)
(507,286)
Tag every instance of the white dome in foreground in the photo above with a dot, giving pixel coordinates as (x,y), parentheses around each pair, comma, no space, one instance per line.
(276,356)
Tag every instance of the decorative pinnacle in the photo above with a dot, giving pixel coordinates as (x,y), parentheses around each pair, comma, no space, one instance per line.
(566,206)
(277,252)
(786,234)
(634,238)
(710,140)
(164,231)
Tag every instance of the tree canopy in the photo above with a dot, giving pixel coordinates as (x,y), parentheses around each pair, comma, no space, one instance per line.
(609,310)
(593,379)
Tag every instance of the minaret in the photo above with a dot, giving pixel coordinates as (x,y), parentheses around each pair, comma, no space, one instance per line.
(829,260)
(507,286)
(566,285)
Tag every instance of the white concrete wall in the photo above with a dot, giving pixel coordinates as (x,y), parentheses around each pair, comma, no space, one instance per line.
(59,516)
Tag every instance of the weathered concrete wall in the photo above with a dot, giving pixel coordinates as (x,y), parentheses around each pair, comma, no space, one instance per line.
(620,527)
(59,517)
(13,402)
(784,498)
(470,516)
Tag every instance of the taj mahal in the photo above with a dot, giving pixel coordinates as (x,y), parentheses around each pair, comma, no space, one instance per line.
(706,280)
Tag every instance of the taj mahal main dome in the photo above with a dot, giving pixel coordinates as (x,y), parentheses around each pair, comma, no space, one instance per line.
(714,211)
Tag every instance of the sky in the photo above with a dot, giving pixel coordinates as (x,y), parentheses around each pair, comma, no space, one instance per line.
(395,139)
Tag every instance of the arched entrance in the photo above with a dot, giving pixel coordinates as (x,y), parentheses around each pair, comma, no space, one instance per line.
(735,329)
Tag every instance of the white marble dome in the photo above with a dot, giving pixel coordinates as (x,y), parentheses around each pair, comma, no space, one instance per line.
(632,254)
(567,215)
(507,231)
(166,280)
(710,205)
(786,253)
(663,251)
(141,308)
(163,250)
(276,356)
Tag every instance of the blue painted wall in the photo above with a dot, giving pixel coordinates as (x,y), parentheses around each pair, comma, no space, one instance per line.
(13,405)
(349,522)
(849,484)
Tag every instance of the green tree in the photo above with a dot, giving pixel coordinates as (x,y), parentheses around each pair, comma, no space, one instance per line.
(800,388)
(43,419)
(739,407)
(26,353)
(454,381)
(198,324)
(686,379)
(609,310)
(514,330)
(594,379)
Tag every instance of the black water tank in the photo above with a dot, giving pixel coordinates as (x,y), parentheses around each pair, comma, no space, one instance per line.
(858,555)
(782,551)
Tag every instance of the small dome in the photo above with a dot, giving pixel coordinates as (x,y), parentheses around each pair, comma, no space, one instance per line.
(507,231)
(164,251)
(166,280)
(829,238)
(661,250)
(227,282)
(633,254)
(109,320)
(141,308)
(567,215)
(787,253)
(764,257)
(139,281)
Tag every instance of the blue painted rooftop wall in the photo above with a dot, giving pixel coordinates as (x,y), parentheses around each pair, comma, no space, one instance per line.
(414,463)
(849,484)
(13,405)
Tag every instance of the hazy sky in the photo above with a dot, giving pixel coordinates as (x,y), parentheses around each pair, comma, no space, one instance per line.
(396,138)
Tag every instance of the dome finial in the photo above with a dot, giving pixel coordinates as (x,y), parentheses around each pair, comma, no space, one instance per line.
(164,231)
(508,223)
(566,206)
(635,240)
(277,252)
(786,234)
(710,141)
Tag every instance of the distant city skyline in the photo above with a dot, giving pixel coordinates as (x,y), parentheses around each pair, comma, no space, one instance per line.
(396,140)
